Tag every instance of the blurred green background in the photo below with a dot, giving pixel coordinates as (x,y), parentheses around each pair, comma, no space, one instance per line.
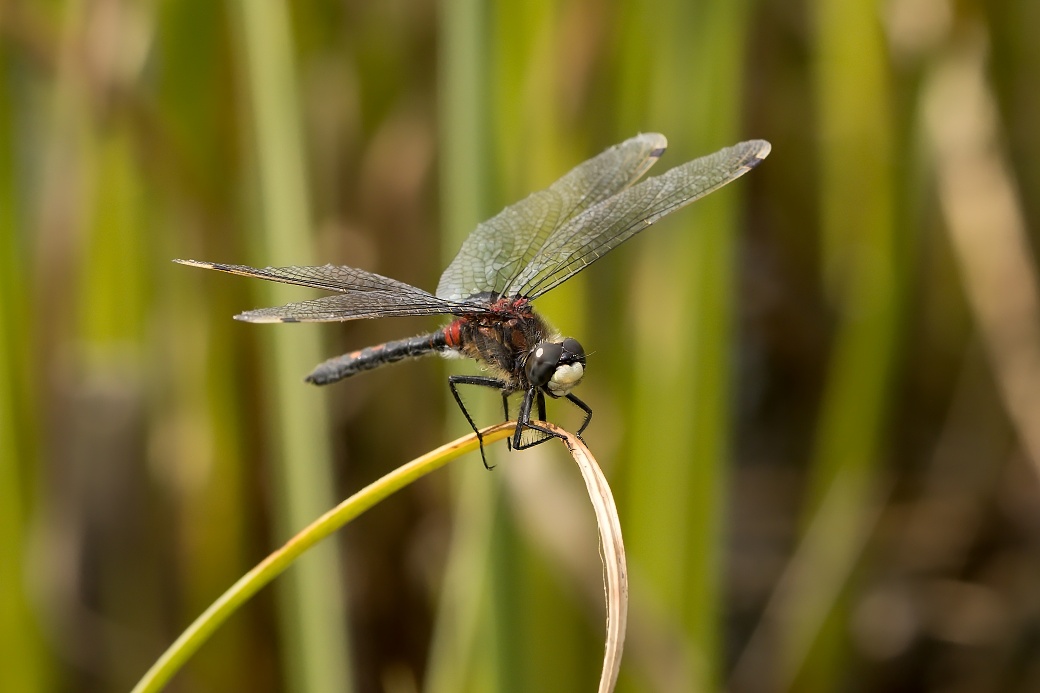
(817,392)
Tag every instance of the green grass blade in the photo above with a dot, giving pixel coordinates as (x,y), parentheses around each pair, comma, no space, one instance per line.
(460,658)
(313,613)
(20,645)
(861,259)
(682,369)
(277,562)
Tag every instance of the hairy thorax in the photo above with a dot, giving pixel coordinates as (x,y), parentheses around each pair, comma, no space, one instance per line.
(501,340)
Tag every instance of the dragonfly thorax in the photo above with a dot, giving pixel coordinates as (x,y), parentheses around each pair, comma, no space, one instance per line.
(556,367)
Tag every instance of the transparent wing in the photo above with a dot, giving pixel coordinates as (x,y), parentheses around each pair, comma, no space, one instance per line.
(501,247)
(359,294)
(603,227)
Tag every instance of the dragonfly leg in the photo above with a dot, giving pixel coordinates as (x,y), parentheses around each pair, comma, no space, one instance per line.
(505,413)
(537,398)
(454,381)
(588,414)
(532,397)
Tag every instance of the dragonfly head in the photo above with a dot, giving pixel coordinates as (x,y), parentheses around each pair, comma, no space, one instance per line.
(556,367)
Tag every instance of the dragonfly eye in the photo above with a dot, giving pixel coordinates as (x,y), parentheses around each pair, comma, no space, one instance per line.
(572,351)
(570,368)
(541,363)
(556,367)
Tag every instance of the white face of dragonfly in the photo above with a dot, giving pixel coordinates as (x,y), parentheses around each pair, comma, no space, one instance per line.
(566,377)
(556,367)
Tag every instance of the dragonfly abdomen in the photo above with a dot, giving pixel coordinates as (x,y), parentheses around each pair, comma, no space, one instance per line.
(371,357)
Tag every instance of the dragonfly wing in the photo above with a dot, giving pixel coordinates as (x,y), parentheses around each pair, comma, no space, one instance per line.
(600,229)
(501,247)
(355,306)
(326,277)
(359,294)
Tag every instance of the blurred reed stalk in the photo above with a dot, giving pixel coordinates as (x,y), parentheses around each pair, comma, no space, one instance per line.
(459,657)
(317,653)
(864,253)
(679,426)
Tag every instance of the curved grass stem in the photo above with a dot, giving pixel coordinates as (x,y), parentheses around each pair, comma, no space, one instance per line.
(612,551)
(249,584)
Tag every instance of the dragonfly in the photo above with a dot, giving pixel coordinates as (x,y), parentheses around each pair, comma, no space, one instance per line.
(507,262)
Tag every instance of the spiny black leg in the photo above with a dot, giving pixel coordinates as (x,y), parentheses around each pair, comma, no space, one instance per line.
(453,381)
(537,398)
(523,420)
(588,414)
(505,413)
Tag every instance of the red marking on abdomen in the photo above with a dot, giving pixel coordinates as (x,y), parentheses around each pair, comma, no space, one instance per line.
(452,334)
